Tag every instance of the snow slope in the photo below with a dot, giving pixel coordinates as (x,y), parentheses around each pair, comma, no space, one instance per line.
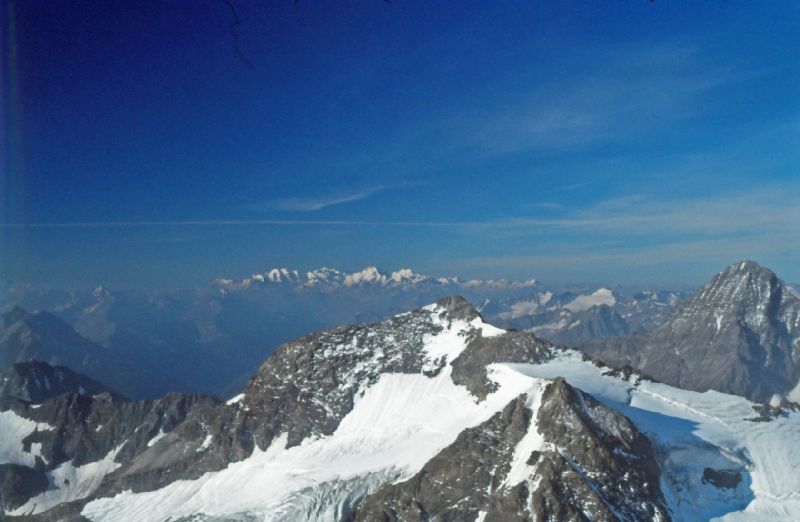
(693,431)
(399,424)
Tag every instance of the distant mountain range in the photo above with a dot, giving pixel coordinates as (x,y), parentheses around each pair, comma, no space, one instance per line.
(228,327)
(430,414)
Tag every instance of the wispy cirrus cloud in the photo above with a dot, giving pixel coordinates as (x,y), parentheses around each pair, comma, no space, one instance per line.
(314,203)
(768,210)
(320,202)
(630,93)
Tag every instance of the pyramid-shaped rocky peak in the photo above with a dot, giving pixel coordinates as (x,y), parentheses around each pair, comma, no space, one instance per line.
(458,308)
(738,334)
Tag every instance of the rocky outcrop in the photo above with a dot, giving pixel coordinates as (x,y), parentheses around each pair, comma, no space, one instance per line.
(471,366)
(18,484)
(600,463)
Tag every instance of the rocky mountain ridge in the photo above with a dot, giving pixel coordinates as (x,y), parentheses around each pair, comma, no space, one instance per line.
(61,440)
(430,413)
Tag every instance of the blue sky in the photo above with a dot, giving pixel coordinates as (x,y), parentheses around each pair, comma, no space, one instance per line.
(630,142)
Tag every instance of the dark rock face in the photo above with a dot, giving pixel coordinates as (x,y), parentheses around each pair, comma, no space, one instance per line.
(598,322)
(85,428)
(18,484)
(595,466)
(36,382)
(722,478)
(739,334)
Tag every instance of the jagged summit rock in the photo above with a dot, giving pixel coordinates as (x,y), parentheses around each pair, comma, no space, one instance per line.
(35,382)
(458,308)
(738,334)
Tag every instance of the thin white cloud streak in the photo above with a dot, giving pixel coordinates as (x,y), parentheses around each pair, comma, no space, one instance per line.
(235,222)
(573,186)
(318,203)
(312,204)
(770,210)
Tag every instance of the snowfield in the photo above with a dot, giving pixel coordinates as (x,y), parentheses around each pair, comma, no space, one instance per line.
(400,423)
(403,420)
(692,431)
(13,429)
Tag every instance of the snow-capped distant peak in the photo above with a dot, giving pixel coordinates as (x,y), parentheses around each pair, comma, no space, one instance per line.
(601,296)
(406,275)
(329,277)
(324,275)
(282,275)
(368,275)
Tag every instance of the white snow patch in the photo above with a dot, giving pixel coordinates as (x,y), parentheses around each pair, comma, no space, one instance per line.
(206,443)
(68,483)
(532,440)
(160,435)
(447,344)
(487,330)
(13,429)
(551,326)
(523,308)
(602,296)
(235,399)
